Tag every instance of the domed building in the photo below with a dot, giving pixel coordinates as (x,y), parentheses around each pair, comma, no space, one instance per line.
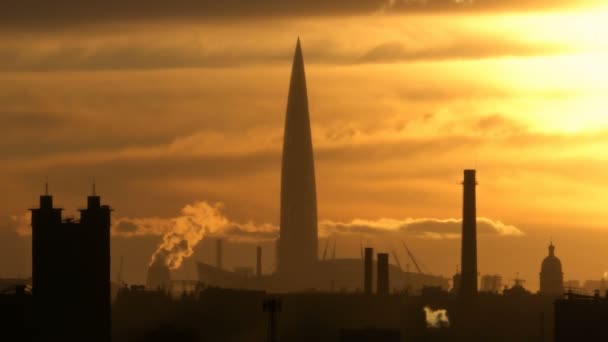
(551,275)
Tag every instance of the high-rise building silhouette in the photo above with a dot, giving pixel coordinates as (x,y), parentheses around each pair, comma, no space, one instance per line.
(551,275)
(71,271)
(468,280)
(298,244)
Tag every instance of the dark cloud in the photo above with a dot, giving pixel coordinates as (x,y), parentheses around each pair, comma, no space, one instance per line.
(125,227)
(11,120)
(499,125)
(156,55)
(36,14)
(476,47)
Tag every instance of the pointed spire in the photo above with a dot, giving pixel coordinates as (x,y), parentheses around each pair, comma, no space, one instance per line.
(94,192)
(298,249)
(46,186)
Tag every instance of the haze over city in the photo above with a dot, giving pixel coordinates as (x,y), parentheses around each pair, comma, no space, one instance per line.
(178,111)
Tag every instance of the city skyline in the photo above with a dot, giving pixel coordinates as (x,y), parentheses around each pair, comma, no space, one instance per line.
(393,127)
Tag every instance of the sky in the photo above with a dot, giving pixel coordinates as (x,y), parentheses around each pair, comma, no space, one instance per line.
(177,112)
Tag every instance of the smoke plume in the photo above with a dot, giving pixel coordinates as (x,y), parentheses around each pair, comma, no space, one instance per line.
(186,231)
(181,234)
(436,318)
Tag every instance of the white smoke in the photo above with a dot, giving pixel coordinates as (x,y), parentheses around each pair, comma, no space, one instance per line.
(186,231)
(436,318)
(181,234)
(21,224)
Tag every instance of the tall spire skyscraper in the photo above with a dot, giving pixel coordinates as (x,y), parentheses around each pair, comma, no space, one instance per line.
(298,242)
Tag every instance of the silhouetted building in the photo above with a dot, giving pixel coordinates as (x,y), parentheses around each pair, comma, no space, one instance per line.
(590,286)
(298,246)
(368,271)
(551,275)
(383,276)
(491,283)
(370,335)
(573,285)
(16,306)
(468,282)
(517,290)
(581,318)
(71,271)
(345,275)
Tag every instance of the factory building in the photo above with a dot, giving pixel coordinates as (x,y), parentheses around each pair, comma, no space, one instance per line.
(71,271)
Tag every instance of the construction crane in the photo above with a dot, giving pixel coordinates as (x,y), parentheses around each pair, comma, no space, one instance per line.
(412,257)
(333,254)
(361,248)
(396,259)
(325,251)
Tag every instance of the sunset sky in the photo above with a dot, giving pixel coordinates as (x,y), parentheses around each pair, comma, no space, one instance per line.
(170,104)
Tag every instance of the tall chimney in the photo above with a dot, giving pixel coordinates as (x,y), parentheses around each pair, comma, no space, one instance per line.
(219,254)
(382,273)
(259,262)
(468,280)
(367,276)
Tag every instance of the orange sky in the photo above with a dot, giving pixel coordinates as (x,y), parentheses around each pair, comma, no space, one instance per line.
(167,111)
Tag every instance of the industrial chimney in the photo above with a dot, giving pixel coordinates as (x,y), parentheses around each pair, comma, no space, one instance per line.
(468,281)
(382,273)
(367,273)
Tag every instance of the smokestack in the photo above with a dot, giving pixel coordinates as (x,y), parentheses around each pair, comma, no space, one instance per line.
(468,280)
(219,254)
(382,273)
(159,277)
(259,262)
(367,276)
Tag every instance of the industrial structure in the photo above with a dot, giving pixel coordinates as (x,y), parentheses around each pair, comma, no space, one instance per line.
(468,277)
(68,307)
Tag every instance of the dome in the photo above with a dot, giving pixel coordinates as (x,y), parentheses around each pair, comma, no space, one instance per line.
(551,264)
(551,275)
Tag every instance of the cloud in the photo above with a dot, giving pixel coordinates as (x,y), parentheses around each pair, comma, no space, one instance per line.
(474,47)
(419,227)
(141,53)
(196,215)
(19,223)
(32,14)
